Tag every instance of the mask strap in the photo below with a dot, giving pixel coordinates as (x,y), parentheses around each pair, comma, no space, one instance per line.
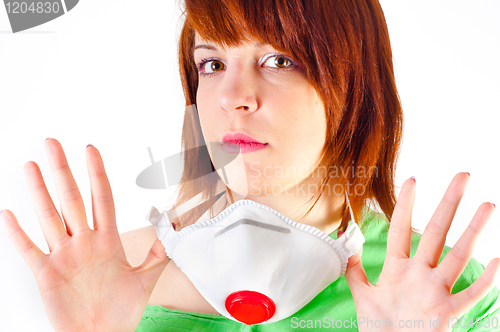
(350,209)
(354,237)
(154,216)
(190,204)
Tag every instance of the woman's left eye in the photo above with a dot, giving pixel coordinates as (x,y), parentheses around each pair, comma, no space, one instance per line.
(280,61)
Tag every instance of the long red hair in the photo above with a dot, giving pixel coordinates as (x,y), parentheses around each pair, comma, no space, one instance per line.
(346,53)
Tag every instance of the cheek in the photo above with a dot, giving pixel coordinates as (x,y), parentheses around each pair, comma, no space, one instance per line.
(305,120)
(313,117)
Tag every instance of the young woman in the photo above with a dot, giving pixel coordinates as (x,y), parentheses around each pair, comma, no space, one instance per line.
(311,84)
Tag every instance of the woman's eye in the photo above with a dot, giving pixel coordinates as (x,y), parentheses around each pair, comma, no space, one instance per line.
(279,61)
(210,66)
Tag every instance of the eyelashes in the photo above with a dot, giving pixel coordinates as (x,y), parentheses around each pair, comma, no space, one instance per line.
(201,66)
(283,60)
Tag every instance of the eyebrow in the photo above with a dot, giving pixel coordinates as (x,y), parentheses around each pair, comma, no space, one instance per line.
(207,47)
(213,48)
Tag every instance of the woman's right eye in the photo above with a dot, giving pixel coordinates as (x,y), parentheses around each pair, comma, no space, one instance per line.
(209,67)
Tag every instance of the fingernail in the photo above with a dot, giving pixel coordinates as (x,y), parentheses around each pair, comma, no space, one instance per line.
(2,210)
(412,177)
(47,138)
(491,203)
(468,173)
(89,145)
(173,225)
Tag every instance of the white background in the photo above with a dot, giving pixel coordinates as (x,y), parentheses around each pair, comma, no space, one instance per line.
(106,73)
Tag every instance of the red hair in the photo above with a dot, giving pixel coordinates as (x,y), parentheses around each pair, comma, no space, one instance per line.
(346,53)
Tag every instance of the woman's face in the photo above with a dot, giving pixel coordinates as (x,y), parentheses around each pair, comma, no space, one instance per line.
(255,90)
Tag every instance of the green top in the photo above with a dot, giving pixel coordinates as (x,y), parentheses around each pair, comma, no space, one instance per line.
(334,307)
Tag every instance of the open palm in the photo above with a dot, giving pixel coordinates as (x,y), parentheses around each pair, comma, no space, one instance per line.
(86,282)
(417,291)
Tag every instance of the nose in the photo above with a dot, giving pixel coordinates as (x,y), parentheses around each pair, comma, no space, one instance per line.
(239,88)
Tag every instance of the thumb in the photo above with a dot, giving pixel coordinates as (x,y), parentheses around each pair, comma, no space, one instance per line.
(355,274)
(153,265)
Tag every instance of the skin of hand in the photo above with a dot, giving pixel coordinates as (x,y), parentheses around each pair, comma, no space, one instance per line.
(417,288)
(86,282)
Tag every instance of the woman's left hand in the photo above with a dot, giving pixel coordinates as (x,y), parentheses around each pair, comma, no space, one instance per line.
(417,290)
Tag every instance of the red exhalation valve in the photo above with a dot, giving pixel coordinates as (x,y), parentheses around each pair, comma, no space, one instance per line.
(250,307)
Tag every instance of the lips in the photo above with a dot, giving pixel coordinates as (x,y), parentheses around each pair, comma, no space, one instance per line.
(239,142)
(237,137)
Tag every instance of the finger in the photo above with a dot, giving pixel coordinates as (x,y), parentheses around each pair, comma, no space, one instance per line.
(72,208)
(463,301)
(457,258)
(399,237)
(103,206)
(153,265)
(31,254)
(432,241)
(355,276)
(48,216)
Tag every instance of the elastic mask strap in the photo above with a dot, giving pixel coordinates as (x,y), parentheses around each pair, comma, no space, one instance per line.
(354,237)
(350,209)
(163,224)
(189,204)
(160,220)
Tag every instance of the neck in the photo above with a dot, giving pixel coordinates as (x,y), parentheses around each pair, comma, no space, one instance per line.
(326,215)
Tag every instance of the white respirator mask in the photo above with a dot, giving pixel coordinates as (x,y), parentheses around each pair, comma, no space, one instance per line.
(253,264)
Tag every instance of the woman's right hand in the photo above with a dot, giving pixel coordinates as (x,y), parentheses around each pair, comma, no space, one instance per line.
(86,282)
